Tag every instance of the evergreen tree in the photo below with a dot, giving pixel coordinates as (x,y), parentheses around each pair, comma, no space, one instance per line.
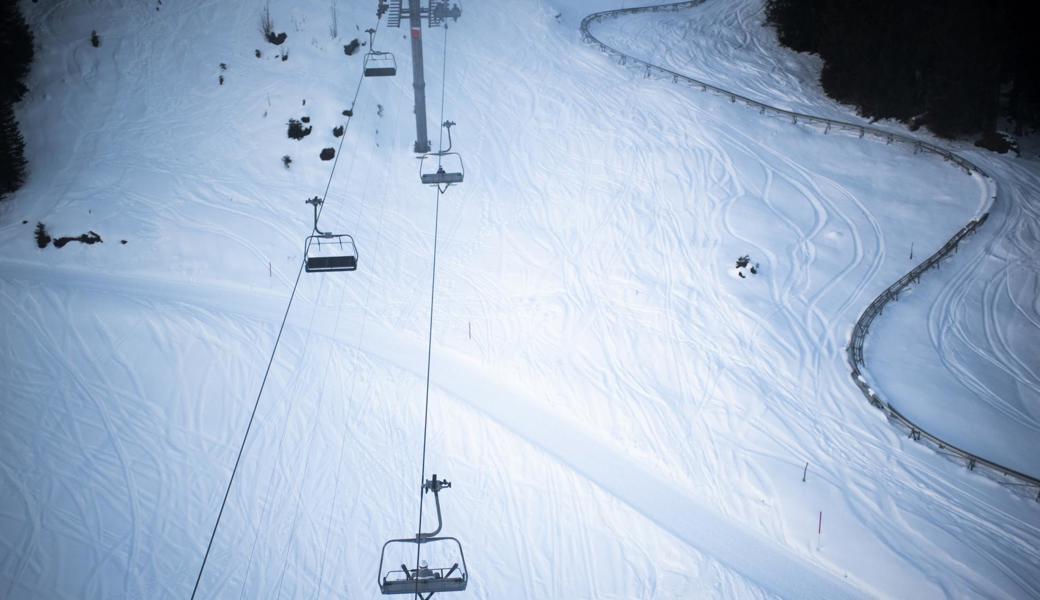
(16,48)
(957,66)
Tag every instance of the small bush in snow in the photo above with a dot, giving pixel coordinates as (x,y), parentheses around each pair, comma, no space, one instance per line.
(744,265)
(352,47)
(286,160)
(328,154)
(337,131)
(42,237)
(95,41)
(297,131)
(89,238)
(267,28)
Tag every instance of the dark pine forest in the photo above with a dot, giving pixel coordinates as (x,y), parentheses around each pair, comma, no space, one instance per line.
(958,67)
(16,52)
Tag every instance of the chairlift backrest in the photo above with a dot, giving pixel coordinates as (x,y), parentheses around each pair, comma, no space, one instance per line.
(330,252)
(380,64)
(423,580)
(445,170)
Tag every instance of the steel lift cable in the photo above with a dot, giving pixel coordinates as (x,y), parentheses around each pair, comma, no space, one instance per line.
(433,287)
(350,395)
(315,420)
(274,350)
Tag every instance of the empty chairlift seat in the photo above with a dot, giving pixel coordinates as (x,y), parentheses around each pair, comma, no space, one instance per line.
(380,64)
(330,252)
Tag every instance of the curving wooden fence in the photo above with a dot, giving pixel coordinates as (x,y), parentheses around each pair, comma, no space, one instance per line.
(854,350)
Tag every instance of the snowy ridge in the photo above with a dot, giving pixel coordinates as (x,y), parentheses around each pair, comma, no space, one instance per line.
(876,307)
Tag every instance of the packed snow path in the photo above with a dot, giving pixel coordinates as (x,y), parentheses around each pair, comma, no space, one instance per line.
(594,346)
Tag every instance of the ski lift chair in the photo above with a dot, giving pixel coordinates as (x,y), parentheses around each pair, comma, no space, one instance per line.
(330,252)
(422,580)
(442,177)
(325,251)
(380,64)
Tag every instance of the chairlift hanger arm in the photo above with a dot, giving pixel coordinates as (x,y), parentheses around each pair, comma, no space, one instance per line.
(434,485)
(447,125)
(316,202)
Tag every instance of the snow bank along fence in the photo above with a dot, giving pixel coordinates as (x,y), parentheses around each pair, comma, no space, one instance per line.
(854,349)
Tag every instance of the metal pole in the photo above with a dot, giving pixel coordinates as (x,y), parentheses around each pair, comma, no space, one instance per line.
(422,141)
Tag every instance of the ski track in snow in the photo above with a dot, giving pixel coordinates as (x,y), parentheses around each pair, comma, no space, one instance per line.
(996,347)
(984,370)
(626,419)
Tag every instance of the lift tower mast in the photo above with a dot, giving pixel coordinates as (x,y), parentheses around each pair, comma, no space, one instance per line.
(436,13)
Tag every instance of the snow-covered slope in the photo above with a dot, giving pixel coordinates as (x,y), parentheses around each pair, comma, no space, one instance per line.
(622,416)
(970,340)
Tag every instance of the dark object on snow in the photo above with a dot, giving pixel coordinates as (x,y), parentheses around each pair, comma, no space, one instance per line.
(277,40)
(258,53)
(351,48)
(997,142)
(87,238)
(305,119)
(328,154)
(337,131)
(286,160)
(297,131)
(348,113)
(221,80)
(24,222)
(42,237)
(123,242)
(744,262)
(95,41)
(223,66)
